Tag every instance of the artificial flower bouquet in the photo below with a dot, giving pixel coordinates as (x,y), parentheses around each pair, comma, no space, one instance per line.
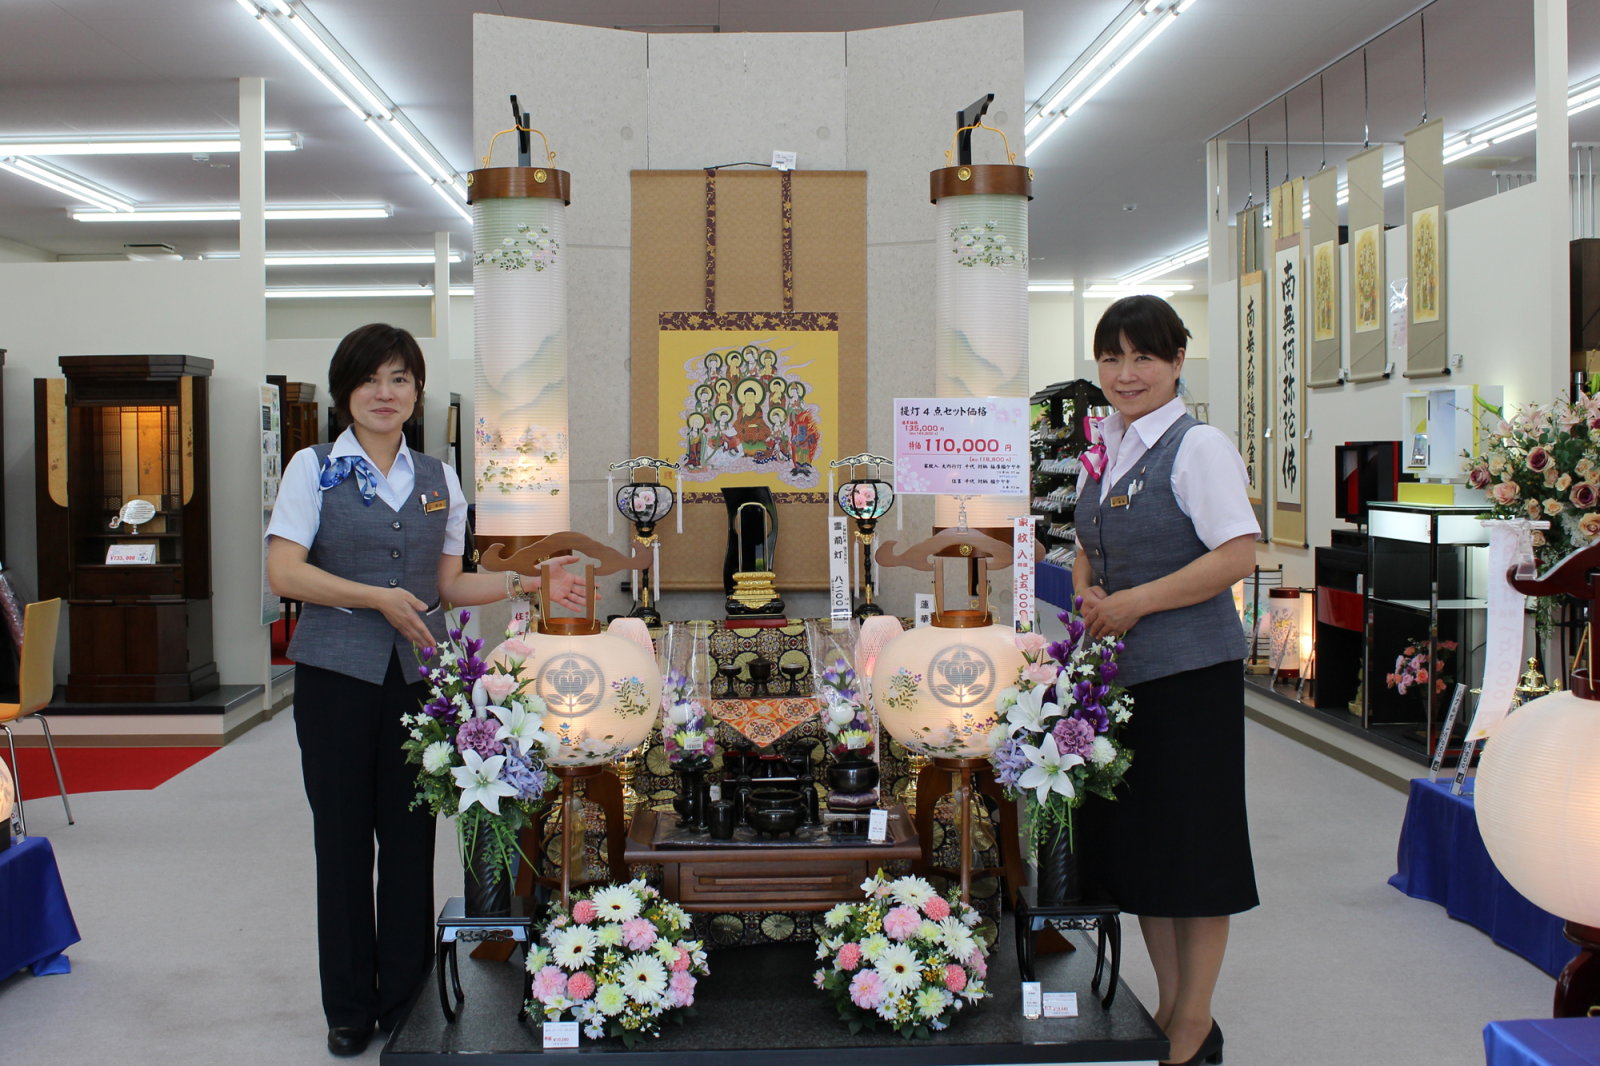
(687,733)
(1057,737)
(479,744)
(1544,464)
(1411,667)
(905,955)
(844,714)
(618,961)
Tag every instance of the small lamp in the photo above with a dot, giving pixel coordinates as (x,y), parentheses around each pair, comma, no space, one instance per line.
(601,688)
(644,502)
(935,687)
(1538,799)
(865,499)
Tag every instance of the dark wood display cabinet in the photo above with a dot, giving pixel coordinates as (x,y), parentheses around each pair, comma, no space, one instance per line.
(297,401)
(114,430)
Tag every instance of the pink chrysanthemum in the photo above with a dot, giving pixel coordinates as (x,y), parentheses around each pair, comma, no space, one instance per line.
(680,989)
(583,912)
(681,963)
(955,978)
(866,990)
(638,933)
(979,964)
(937,908)
(849,956)
(901,923)
(581,986)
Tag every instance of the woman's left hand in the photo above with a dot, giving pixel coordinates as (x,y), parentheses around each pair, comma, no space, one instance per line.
(1113,615)
(566,588)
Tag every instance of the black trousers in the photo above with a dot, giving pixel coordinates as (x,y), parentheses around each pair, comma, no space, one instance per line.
(360,789)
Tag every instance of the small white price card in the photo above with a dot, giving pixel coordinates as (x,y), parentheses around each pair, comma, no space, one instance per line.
(1061,1004)
(1032,1004)
(560,1035)
(961,447)
(130,555)
(878,825)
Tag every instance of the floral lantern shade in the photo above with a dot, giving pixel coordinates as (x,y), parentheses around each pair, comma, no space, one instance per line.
(644,504)
(981,299)
(936,687)
(866,499)
(520,438)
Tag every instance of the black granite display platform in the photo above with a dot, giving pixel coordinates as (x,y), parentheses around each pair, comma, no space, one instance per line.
(759,1001)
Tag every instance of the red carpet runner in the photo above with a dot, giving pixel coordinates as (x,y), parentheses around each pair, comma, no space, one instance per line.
(101,769)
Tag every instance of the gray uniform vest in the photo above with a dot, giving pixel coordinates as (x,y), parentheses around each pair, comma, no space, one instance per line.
(1147,538)
(375,546)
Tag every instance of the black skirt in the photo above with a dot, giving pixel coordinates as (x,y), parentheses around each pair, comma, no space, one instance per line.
(1176,843)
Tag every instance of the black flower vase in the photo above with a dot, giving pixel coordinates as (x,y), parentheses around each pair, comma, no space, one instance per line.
(487,886)
(1058,879)
(692,797)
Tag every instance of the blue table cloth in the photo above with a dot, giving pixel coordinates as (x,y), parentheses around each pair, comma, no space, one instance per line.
(1442,859)
(36,923)
(1543,1042)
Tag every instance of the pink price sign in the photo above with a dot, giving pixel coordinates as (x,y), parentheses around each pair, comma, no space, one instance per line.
(972,447)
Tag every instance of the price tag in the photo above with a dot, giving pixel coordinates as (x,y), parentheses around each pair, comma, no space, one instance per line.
(130,555)
(1061,1004)
(924,602)
(1032,1003)
(976,446)
(560,1035)
(521,615)
(839,568)
(1023,540)
(715,792)
(878,826)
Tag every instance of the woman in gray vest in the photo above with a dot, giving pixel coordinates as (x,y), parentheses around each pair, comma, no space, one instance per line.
(1164,530)
(368,535)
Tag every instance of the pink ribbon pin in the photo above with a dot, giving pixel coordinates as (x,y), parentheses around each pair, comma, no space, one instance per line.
(1094,459)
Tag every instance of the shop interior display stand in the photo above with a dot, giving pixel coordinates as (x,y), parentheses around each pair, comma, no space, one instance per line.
(759,1001)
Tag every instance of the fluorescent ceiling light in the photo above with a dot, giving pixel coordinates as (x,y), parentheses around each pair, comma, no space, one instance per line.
(64,181)
(141,144)
(343,258)
(1119,291)
(1140,23)
(1195,253)
(231,214)
(1049,286)
(331,64)
(393,292)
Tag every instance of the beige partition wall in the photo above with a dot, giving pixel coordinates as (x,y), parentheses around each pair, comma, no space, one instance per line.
(614,102)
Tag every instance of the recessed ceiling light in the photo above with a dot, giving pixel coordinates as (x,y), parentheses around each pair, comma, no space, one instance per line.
(231,214)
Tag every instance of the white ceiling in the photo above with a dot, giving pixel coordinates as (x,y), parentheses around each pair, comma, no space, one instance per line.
(102,66)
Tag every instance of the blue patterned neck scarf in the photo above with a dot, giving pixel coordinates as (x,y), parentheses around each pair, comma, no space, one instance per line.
(335,471)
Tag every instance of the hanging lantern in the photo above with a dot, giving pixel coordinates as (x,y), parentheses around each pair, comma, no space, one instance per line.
(865,499)
(519,308)
(981,297)
(644,504)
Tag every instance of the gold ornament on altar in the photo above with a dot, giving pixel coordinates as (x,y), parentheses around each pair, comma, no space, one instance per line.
(1532,685)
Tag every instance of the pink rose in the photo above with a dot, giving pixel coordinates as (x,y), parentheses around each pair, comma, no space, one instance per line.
(1478,477)
(584,912)
(955,978)
(1538,458)
(513,652)
(1041,673)
(1589,525)
(1583,495)
(1506,492)
(682,962)
(849,957)
(1030,643)
(581,986)
(549,983)
(901,923)
(866,990)
(936,908)
(499,686)
(638,933)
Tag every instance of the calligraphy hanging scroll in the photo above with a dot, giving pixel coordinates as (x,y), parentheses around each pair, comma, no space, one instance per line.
(1323,367)
(1252,414)
(1369,355)
(1427,340)
(1288,367)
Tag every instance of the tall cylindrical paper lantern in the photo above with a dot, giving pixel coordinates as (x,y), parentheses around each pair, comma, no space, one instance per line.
(519,278)
(981,302)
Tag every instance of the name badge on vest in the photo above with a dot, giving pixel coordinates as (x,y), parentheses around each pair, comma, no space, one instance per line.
(1119,501)
(435,504)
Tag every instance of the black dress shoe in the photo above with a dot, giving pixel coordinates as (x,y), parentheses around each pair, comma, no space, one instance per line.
(345,1041)
(1210,1049)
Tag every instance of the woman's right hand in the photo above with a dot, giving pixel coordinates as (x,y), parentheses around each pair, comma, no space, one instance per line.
(404,611)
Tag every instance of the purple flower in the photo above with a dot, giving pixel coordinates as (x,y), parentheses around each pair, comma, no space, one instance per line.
(466,616)
(477,734)
(1074,736)
(1009,762)
(528,780)
(1059,651)
(422,671)
(428,652)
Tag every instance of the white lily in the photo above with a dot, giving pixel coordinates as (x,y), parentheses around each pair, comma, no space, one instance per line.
(1048,771)
(1029,713)
(479,781)
(518,726)
(840,713)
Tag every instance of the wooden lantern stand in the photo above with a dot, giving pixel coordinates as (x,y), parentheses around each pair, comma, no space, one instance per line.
(960,771)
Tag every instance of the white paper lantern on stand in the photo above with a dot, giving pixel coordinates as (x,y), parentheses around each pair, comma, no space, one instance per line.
(520,439)
(981,301)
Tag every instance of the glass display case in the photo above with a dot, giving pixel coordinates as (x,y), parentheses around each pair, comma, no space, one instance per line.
(1427,570)
(124,523)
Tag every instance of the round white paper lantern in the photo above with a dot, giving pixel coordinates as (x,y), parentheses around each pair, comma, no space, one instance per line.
(1538,804)
(935,687)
